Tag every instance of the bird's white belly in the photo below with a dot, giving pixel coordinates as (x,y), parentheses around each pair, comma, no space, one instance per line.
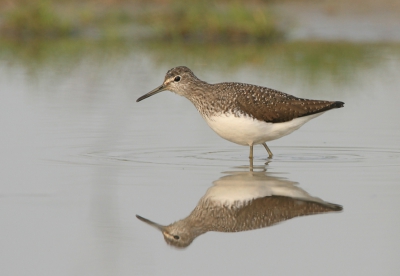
(245,130)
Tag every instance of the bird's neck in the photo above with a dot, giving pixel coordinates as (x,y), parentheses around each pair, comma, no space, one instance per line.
(208,99)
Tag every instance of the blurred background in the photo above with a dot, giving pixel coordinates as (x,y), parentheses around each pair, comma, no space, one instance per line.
(79,157)
(73,26)
(324,36)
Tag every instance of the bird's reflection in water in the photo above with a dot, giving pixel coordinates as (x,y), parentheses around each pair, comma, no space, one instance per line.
(242,201)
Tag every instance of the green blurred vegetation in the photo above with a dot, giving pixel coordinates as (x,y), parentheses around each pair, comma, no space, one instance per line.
(206,21)
(313,61)
(46,19)
(198,21)
(33,19)
(222,35)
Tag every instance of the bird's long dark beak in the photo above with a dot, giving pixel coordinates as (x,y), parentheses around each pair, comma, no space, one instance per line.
(149,222)
(152,92)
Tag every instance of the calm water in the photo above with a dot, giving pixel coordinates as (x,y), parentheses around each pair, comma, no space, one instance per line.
(80,158)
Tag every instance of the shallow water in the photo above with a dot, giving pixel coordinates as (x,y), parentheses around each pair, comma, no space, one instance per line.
(80,158)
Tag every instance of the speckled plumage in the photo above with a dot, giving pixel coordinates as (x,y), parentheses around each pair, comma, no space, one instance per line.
(254,214)
(261,103)
(217,101)
(241,202)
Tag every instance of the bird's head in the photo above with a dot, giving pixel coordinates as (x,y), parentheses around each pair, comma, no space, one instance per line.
(177,80)
(176,234)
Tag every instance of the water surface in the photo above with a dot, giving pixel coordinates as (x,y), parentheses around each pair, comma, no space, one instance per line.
(80,158)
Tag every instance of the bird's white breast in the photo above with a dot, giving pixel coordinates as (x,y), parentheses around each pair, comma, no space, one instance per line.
(242,187)
(244,130)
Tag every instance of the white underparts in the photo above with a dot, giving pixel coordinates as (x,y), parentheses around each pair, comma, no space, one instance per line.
(245,130)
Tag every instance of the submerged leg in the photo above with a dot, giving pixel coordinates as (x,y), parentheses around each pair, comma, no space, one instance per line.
(269,151)
(251,152)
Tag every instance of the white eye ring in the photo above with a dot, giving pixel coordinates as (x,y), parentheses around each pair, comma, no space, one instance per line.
(177,78)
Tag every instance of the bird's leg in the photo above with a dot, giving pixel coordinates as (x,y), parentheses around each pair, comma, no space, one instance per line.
(251,164)
(251,158)
(269,151)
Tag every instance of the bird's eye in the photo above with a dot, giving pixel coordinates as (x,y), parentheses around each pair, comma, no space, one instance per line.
(176,237)
(177,78)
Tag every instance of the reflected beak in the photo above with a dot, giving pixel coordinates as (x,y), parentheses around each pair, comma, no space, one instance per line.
(152,92)
(149,222)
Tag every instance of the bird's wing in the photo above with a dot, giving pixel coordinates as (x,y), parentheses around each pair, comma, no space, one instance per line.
(267,211)
(276,107)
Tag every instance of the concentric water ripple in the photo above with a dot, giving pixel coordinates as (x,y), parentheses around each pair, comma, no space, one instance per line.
(201,156)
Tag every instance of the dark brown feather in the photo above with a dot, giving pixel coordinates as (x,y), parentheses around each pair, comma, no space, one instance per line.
(276,107)
(263,212)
